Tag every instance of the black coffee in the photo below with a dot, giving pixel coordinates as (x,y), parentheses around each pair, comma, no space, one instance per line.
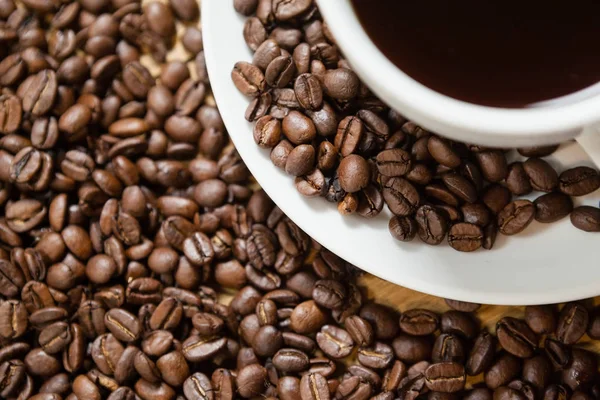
(508,53)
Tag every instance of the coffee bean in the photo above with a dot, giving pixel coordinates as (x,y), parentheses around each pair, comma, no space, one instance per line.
(572,323)
(330,294)
(298,128)
(301,160)
(465,237)
(378,356)
(412,349)
(335,342)
(537,151)
(541,319)
(307,317)
(493,165)
(198,387)
(448,347)
(251,380)
(515,337)
(552,206)
(442,152)
(446,377)
(579,181)
(541,175)
(248,79)
(55,337)
(38,92)
(582,369)
(496,197)
(403,228)
(432,225)
(515,217)
(586,218)
(313,386)
(341,84)
(401,196)
(419,322)
(504,369)
(197,348)
(517,180)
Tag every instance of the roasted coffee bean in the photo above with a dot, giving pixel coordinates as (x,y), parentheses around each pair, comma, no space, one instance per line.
(197,348)
(419,322)
(334,341)
(581,371)
(446,377)
(412,349)
(448,347)
(541,175)
(198,387)
(504,369)
(516,337)
(572,323)
(379,356)
(552,206)
(251,380)
(465,237)
(515,217)
(313,386)
(579,181)
(482,354)
(586,218)
(401,196)
(329,293)
(432,225)
(541,319)
(248,79)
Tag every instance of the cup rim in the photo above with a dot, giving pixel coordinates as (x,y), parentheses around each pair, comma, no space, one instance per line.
(420,103)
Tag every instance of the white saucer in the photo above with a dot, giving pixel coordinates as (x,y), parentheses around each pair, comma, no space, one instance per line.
(545,264)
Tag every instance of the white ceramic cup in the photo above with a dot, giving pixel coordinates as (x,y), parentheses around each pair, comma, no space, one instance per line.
(546,124)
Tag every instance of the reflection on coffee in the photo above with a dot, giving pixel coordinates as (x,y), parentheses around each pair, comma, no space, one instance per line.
(508,53)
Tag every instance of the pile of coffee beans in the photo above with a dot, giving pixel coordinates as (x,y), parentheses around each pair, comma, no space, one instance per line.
(138,259)
(324,127)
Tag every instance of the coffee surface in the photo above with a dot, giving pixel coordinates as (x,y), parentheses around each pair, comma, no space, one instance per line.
(507,53)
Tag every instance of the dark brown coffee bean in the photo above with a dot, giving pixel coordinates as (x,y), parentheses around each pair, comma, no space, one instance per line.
(496,197)
(412,349)
(432,225)
(136,77)
(448,347)
(334,341)
(493,165)
(419,322)
(197,348)
(307,317)
(330,294)
(552,207)
(538,371)
(541,175)
(401,196)
(504,369)
(516,337)
(581,371)
(541,319)
(291,360)
(538,151)
(379,356)
(360,330)
(442,152)
(298,128)
(341,84)
(313,386)
(248,79)
(515,217)
(403,228)
(55,337)
(517,180)
(579,181)
(198,387)
(13,319)
(251,380)
(586,218)
(572,323)
(446,377)
(465,237)
(38,92)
